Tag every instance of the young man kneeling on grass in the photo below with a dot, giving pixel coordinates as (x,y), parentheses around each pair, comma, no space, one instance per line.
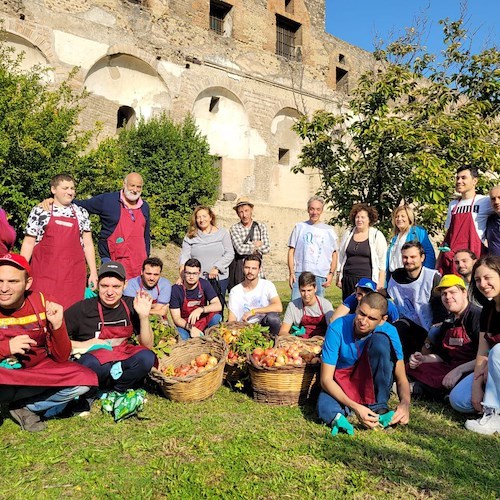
(361,356)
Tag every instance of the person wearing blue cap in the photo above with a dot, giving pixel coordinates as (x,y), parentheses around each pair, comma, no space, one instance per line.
(363,286)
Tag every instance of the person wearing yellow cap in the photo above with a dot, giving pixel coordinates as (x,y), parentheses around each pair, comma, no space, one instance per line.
(450,356)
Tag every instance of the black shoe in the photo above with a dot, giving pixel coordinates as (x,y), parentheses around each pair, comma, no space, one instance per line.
(28,420)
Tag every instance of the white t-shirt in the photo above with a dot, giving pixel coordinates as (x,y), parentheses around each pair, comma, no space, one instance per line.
(314,245)
(241,301)
(480,212)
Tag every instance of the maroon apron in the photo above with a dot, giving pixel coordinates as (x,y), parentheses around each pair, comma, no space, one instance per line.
(189,305)
(357,380)
(58,261)
(460,349)
(313,325)
(7,234)
(461,234)
(38,369)
(127,244)
(119,352)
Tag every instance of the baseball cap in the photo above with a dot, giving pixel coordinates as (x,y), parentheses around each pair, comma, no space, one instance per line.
(367,283)
(114,268)
(242,200)
(450,280)
(16,260)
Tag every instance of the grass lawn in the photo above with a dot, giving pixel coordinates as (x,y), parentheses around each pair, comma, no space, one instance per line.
(232,447)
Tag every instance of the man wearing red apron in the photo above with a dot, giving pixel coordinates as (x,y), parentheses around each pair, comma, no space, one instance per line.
(194,304)
(102,327)
(361,356)
(308,315)
(466,220)
(36,378)
(58,242)
(7,233)
(452,352)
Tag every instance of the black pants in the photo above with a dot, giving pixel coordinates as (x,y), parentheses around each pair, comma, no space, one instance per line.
(412,336)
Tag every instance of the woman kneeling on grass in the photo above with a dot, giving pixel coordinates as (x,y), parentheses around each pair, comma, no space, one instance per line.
(480,391)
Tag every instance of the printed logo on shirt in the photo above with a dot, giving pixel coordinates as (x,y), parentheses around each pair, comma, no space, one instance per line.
(464,209)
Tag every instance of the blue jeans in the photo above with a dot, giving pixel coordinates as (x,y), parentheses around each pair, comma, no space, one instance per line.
(47,401)
(184,334)
(320,291)
(135,369)
(382,361)
(461,394)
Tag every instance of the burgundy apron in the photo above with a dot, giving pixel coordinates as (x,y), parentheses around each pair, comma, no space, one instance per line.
(38,369)
(189,305)
(58,261)
(461,234)
(460,349)
(127,244)
(7,234)
(119,352)
(313,325)
(357,380)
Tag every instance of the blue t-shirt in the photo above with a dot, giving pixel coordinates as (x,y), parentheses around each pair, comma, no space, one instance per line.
(177,298)
(342,350)
(161,292)
(351,302)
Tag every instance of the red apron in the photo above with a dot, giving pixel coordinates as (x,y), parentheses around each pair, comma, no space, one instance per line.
(461,234)
(313,325)
(38,369)
(7,234)
(58,262)
(127,244)
(357,380)
(189,305)
(119,352)
(460,349)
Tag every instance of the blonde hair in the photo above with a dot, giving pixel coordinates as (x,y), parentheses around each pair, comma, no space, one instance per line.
(193,227)
(409,213)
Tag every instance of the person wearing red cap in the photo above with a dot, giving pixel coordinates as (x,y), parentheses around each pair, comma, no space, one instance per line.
(36,379)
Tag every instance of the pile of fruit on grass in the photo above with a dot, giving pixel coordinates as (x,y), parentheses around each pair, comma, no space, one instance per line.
(200,364)
(165,336)
(297,353)
(242,340)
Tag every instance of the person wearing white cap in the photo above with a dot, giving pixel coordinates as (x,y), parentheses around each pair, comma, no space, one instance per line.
(248,237)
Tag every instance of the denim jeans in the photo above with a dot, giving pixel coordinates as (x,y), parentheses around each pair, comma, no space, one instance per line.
(320,291)
(382,361)
(184,334)
(461,394)
(134,369)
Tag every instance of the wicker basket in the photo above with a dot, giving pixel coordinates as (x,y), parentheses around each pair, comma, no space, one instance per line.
(194,387)
(287,340)
(284,385)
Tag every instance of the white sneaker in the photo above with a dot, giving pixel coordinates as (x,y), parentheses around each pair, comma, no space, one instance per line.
(488,424)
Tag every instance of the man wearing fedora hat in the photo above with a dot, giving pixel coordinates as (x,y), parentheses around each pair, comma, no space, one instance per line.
(248,237)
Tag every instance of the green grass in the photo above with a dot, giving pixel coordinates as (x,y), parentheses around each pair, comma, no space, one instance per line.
(232,447)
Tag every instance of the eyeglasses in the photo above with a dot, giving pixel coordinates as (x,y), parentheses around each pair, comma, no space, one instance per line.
(187,273)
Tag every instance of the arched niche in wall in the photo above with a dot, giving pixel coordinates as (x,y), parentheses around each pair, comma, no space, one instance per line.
(32,55)
(287,141)
(130,83)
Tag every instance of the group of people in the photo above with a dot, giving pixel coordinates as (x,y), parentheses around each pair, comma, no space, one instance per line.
(429,326)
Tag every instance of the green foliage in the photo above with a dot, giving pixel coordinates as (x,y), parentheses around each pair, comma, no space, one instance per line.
(409,124)
(178,169)
(38,135)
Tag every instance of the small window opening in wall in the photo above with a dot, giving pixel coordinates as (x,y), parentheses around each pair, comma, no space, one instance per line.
(289,6)
(283,156)
(341,79)
(341,58)
(218,162)
(288,37)
(219,17)
(214,105)
(125,117)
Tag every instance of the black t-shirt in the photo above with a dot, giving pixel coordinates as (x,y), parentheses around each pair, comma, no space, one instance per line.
(470,321)
(490,319)
(177,297)
(83,322)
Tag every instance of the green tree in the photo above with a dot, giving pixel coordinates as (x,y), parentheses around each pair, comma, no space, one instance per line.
(38,134)
(409,123)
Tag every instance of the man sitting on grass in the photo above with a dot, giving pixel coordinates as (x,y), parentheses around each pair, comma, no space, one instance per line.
(361,355)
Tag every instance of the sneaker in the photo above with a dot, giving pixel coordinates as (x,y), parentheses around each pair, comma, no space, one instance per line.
(488,424)
(28,420)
